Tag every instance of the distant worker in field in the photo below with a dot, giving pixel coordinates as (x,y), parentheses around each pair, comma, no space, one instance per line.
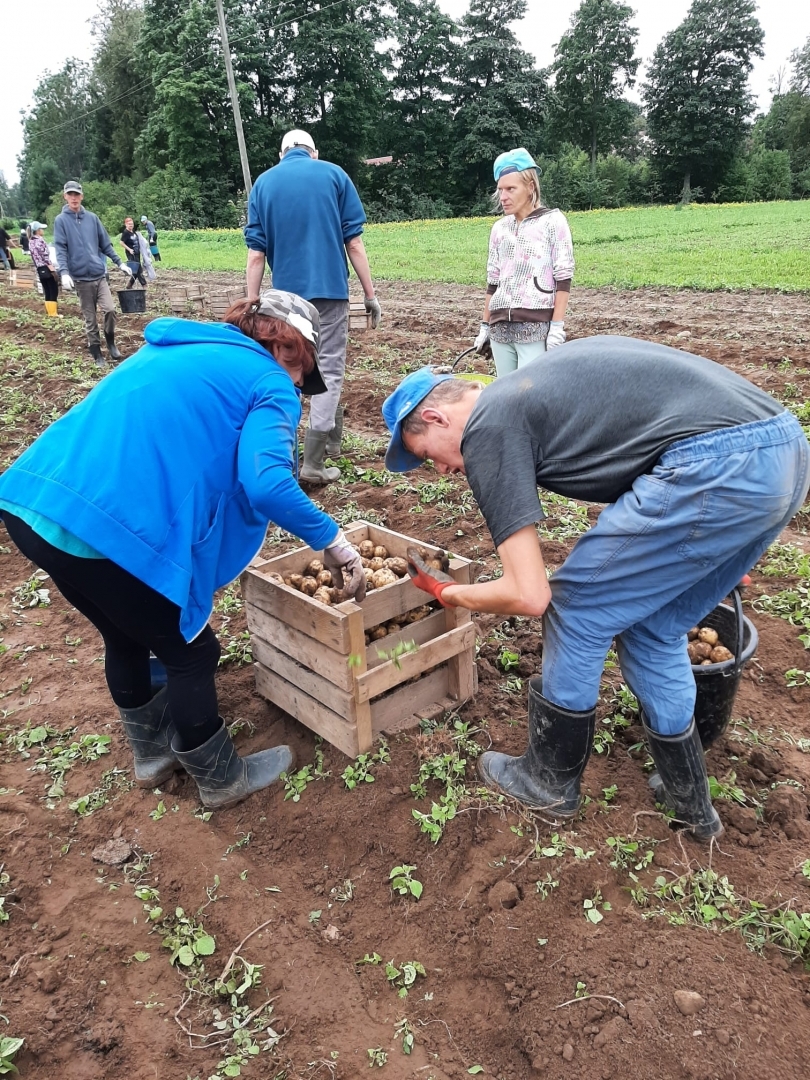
(701,471)
(529,269)
(44,266)
(151,235)
(82,249)
(304,218)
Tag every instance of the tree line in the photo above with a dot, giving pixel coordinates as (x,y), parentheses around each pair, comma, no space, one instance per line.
(147,124)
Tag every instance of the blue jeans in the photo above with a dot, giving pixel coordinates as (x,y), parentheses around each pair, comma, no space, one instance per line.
(662,557)
(4,259)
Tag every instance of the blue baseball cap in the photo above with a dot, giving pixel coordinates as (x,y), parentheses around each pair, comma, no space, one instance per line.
(411,391)
(513,161)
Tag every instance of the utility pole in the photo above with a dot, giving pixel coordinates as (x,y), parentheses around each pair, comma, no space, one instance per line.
(237,116)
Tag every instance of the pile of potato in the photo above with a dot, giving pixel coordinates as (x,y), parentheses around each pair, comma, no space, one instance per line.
(705,647)
(399,622)
(379,568)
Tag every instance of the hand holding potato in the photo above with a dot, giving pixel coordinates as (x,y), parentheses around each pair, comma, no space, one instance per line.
(426,575)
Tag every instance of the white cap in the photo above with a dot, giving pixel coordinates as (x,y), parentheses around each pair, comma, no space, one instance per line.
(297,137)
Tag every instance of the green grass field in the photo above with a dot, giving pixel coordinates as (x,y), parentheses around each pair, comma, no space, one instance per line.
(732,246)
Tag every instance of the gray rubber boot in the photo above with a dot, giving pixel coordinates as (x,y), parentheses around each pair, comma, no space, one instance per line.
(150,730)
(112,348)
(334,441)
(681,782)
(98,355)
(548,774)
(225,779)
(313,470)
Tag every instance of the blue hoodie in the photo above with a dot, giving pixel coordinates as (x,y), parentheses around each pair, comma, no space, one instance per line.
(82,243)
(175,463)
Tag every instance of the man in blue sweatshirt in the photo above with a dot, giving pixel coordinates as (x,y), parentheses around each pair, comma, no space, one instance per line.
(304,218)
(82,243)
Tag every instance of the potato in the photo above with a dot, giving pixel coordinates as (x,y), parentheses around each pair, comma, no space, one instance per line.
(369,574)
(705,663)
(399,566)
(366,548)
(435,560)
(339,596)
(721,653)
(698,651)
(324,577)
(419,613)
(383,577)
(693,633)
(364,562)
(376,563)
(314,568)
(380,552)
(378,632)
(709,635)
(324,595)
(309,586)
(295,581)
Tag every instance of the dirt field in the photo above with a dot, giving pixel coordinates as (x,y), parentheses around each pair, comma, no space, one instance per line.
(518,981)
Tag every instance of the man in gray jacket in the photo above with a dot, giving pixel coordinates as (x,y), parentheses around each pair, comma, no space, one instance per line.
(81,246)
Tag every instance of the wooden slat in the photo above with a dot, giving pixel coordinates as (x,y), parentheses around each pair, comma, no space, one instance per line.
(419,632)
(294,562)
(326,624)
(333,665)
(308,711)
(317,686)
(432,653)
(362,713)
(400,708)
(463,674)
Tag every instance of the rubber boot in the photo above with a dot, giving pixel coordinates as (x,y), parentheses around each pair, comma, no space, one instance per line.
(98,356)
(313,470)
(334,441)
(681,781)
(112,348)
(150,730)
(50,308)
(547,776)
(225,779)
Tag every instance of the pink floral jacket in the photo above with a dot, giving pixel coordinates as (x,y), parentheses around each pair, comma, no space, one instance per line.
(528,262)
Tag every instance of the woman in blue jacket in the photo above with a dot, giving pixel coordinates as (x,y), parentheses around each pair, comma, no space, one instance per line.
(155,491)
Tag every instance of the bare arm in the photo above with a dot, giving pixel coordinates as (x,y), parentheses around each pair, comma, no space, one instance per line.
(522,590)
(254,273)
(356,250)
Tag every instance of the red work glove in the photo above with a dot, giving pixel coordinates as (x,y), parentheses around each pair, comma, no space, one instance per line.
(745,580)
(430,580)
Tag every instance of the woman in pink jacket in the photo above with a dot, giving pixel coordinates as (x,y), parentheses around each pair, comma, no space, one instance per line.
(529,269)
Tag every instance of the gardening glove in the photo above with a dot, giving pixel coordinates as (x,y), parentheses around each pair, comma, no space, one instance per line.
(556,335)
(339,556)
(427,578)
(67,281)
(481,344)
(125,270)
(372,306)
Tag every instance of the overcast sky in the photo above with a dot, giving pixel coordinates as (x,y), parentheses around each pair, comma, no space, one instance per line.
(41,35)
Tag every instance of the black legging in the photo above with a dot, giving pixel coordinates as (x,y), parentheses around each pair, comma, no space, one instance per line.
(49,286)
(133,619)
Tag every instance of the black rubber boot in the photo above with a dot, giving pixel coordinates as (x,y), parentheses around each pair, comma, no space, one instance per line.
(334,440)
(547,776)
(313,470)
(225,779)
(681,782)
(150,730)
(112,348)
(98,355)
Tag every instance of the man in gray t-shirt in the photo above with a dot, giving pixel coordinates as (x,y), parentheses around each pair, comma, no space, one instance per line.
(700,470)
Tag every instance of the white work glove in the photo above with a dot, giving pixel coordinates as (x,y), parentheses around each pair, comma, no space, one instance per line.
(481,344)
(556,335)
(340,555)
(67,281)
(372,306)
(125,270)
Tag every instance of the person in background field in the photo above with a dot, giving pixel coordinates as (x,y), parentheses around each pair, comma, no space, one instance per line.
(145,252)
(304,218)
(82,249)
(701,471)
(6,257)
(24,237)
(151,234)
(131,243)
(45,268)
(157,490)
(529,269)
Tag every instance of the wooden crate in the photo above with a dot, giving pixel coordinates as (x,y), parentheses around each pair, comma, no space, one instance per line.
(302,650)
(359,318)
(23,279)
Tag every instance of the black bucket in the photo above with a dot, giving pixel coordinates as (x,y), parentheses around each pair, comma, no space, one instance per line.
(717,683)
(132,301)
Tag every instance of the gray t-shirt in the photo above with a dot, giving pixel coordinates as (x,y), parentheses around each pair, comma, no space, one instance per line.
(586,420)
